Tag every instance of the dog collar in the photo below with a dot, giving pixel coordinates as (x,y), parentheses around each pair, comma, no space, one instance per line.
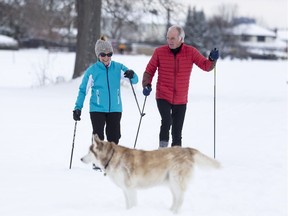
(107,164)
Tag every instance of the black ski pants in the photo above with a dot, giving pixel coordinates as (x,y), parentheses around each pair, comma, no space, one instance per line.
(171,115)
(112,122)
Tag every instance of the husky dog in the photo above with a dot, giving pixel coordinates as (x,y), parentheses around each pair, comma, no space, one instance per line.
(131,169)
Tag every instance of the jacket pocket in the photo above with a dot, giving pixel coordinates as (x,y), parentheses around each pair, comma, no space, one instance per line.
(118,96)
(97,97)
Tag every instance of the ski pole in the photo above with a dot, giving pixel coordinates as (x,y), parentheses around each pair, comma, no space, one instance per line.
(73,144)
(141,115)
(135,97)
(215,111)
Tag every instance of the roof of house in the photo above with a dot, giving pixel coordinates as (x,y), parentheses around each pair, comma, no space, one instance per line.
(253,30)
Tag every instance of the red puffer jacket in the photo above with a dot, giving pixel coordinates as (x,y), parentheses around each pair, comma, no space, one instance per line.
(174,71)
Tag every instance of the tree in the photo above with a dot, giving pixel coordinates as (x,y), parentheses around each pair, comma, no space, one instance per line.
(89,30)
(36,19)
(196,30)
(219,26)
(120,18)
(169,8)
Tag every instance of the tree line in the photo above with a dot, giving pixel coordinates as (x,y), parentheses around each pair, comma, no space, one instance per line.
(55,20)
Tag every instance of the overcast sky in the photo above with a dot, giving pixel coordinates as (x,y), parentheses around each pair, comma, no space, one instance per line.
(271,13)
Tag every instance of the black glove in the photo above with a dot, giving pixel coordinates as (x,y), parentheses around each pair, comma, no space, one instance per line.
(214,54)
(129,74)
(76,115)
(147,89)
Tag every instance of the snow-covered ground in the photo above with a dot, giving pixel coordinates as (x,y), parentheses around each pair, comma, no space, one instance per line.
(37,130)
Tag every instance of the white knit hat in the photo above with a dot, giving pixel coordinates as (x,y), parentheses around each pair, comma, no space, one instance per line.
(103,46)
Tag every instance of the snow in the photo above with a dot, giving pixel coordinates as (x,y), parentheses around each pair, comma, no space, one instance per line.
(7,41)
(37,131)
(283,34)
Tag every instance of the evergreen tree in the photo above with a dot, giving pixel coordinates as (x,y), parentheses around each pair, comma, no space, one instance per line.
(196,30)
(214,38)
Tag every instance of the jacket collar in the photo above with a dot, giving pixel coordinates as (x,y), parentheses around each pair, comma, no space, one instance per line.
(177,50)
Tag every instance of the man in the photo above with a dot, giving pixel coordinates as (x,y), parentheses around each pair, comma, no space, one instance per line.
(174,63)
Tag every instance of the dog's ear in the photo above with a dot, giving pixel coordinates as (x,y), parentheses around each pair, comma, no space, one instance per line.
(97,142)
(95,139)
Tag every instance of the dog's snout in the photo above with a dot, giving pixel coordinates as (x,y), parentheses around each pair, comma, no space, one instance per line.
(86,159)
(83,160)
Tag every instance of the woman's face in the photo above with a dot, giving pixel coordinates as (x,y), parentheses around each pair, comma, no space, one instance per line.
(105,58)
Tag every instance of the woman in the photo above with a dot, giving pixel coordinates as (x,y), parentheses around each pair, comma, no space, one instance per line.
(105,103)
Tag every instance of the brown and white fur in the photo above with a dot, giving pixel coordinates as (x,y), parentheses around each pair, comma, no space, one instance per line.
(131,169)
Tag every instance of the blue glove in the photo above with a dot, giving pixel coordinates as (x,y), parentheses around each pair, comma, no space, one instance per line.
(147,89)
(214,54)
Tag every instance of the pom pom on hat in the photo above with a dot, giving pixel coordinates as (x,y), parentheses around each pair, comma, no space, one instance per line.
(103,46)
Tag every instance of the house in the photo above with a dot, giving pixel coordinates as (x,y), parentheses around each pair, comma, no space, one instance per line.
(259,42)
(282,34)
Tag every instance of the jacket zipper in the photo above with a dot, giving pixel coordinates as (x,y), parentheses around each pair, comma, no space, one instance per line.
(109,96)
(175,75)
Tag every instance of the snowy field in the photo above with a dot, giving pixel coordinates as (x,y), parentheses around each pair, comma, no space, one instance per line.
(37,130)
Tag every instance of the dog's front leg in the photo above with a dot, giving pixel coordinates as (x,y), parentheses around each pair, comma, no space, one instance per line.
(130,197)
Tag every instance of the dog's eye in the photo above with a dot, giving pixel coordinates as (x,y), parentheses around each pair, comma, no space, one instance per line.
(93,153)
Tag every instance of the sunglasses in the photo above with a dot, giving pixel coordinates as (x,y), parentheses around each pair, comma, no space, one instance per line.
(104,54)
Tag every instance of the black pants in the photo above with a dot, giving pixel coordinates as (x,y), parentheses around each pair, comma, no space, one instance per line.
(112,122)
(171,115)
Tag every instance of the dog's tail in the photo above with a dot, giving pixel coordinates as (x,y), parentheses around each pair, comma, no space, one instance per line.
(203,161)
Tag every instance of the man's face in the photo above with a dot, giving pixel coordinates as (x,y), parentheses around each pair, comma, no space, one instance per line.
(173,39)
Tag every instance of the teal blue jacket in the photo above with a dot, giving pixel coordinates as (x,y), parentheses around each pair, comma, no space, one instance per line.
(105,87)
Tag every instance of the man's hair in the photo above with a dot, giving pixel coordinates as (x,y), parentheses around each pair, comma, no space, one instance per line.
(180,31)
